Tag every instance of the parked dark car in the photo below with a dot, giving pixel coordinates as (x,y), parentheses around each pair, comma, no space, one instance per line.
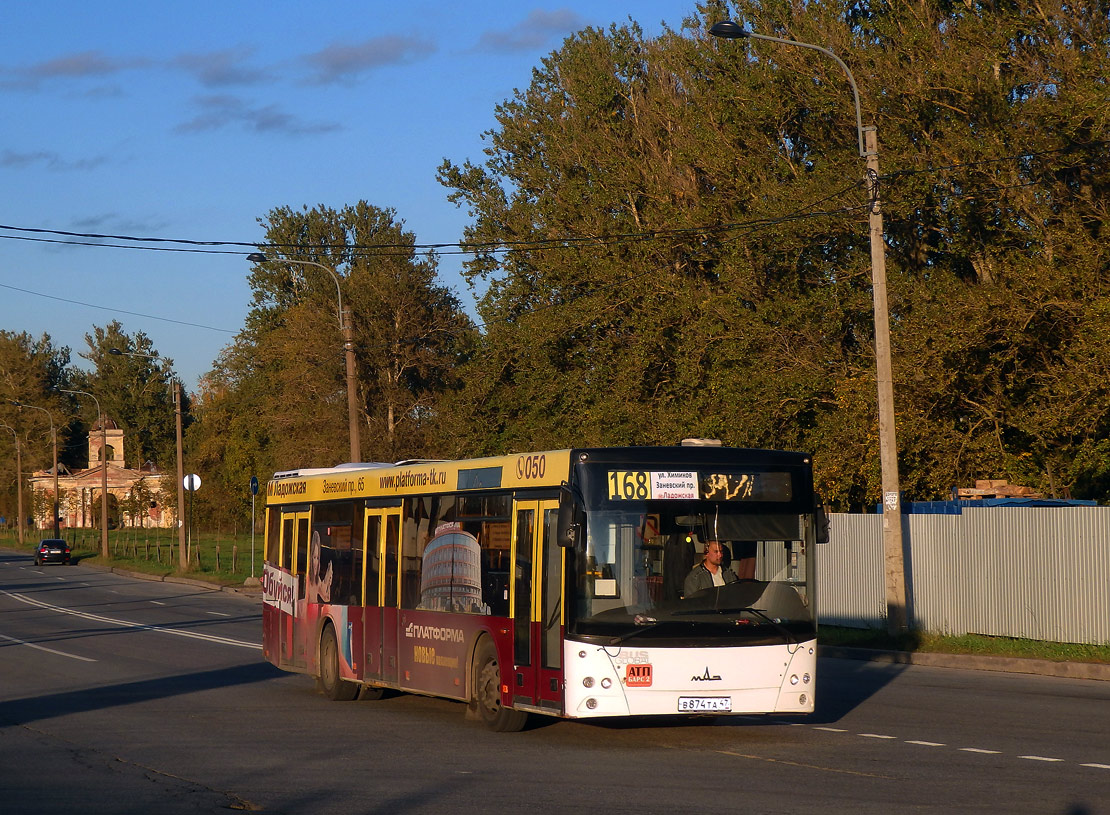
(52,550)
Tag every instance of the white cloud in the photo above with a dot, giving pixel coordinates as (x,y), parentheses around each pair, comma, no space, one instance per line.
(536,31)
(343,63)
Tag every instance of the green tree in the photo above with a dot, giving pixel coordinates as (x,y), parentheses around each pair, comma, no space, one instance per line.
(408,332)
(134,386)
(31,372)
(671,234)
(277,396)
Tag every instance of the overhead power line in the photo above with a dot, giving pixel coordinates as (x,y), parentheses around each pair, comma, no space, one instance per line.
(189,245)
(117,310)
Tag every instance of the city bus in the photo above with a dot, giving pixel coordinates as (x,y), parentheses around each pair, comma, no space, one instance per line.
(550,583)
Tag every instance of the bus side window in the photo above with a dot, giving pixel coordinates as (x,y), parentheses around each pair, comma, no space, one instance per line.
(495,541)
(495,566)
(413,536)
(302,548)
(424,518)
(332,526)
(273,534)
(288,523)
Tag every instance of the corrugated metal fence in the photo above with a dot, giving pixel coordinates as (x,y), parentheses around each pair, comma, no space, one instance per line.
(1030,572)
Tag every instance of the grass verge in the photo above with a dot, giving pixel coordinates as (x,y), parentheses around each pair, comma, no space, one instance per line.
(976,644)
(220,558)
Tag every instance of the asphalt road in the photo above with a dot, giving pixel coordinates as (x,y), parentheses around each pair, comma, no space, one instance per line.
(126,696)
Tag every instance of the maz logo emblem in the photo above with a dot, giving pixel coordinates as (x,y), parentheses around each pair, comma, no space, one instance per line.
(706,677)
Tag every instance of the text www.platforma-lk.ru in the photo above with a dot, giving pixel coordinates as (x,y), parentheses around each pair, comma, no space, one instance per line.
(429,478)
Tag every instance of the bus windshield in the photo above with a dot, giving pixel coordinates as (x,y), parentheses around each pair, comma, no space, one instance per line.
(631,575)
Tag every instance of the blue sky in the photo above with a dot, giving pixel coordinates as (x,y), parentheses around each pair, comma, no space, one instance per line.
(193,120)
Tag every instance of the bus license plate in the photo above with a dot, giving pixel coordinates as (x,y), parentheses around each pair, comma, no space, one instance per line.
(698,704)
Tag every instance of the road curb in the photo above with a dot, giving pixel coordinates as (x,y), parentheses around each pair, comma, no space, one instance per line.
(254,592)
(188,581)
(972,662)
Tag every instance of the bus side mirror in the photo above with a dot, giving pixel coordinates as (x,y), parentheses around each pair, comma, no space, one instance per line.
(821,521)
(569,529)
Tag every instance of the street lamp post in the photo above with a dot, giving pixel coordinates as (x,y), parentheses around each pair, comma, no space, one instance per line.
(348,347)
(18,483)
(182,549)
(182,553)
(894,568)
(103,473)
(54,441)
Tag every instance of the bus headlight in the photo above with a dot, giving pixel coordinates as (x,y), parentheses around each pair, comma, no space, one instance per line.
(588,682)
(606,683)
(794,679)
(805,679)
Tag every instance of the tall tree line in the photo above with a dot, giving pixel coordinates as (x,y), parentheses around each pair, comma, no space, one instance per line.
(670,239)
(671,235)
(277,397)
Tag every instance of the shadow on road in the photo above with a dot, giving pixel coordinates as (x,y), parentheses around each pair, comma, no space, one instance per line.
(845,684)
(37,708)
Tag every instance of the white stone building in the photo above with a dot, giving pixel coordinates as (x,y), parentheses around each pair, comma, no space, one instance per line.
(134,495)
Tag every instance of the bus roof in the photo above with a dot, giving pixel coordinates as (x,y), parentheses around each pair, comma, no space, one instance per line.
(547,469)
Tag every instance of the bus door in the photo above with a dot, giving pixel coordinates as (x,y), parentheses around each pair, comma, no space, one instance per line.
(537,607)
(294,557)
(382,538)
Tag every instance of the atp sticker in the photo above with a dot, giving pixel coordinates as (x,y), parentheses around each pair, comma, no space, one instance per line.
(637,676)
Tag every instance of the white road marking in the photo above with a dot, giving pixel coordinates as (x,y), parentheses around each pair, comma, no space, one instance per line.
(196,635)
(157,602)
(978,750)
(44,648)
(217,614)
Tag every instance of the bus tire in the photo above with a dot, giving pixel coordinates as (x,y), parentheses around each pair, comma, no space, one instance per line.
(487,692)
(331,683)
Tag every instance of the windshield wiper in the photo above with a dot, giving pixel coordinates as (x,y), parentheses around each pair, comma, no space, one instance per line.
(643,623)
(771,621)
(782,629)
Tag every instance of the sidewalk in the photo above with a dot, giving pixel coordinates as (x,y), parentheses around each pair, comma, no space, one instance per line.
(973,662)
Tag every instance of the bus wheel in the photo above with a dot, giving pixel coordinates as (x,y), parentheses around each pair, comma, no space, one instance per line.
(487,693)
(334,687)
(371,693)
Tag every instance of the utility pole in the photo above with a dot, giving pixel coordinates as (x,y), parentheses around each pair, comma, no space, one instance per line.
(183,555)
(54,442)
(893,560)
(18,483)
(347,328)
(103,471)
(352,385)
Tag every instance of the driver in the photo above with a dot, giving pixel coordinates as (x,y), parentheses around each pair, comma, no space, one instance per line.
(710,572)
